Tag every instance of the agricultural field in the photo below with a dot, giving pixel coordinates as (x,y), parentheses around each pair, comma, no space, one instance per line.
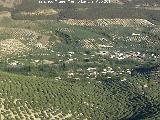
(78,68)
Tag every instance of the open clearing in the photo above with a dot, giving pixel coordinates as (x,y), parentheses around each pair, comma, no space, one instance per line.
(12,46)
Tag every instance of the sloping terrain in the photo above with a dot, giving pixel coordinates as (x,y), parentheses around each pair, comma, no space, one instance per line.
(90,59)
(10,3)
(12,46)
(38,98)
(86,11)
(141,2)
(107,22)
(81,67)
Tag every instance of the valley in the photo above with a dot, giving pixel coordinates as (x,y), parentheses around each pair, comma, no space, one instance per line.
(79,66)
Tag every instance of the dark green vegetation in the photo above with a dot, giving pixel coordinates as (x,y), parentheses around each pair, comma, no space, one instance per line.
(61,71)
(141,2)
(87,11)
(110,99)
(4,36)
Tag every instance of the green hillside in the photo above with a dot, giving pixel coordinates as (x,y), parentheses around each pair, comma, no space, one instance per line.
(32,98)
(79,62)
(87,11)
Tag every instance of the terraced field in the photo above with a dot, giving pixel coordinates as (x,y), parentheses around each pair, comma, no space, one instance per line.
(107,22)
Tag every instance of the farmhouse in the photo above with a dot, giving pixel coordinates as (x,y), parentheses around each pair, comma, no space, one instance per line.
(136,34)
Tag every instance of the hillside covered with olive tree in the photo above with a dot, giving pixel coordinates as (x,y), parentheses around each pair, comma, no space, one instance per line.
(79,62)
